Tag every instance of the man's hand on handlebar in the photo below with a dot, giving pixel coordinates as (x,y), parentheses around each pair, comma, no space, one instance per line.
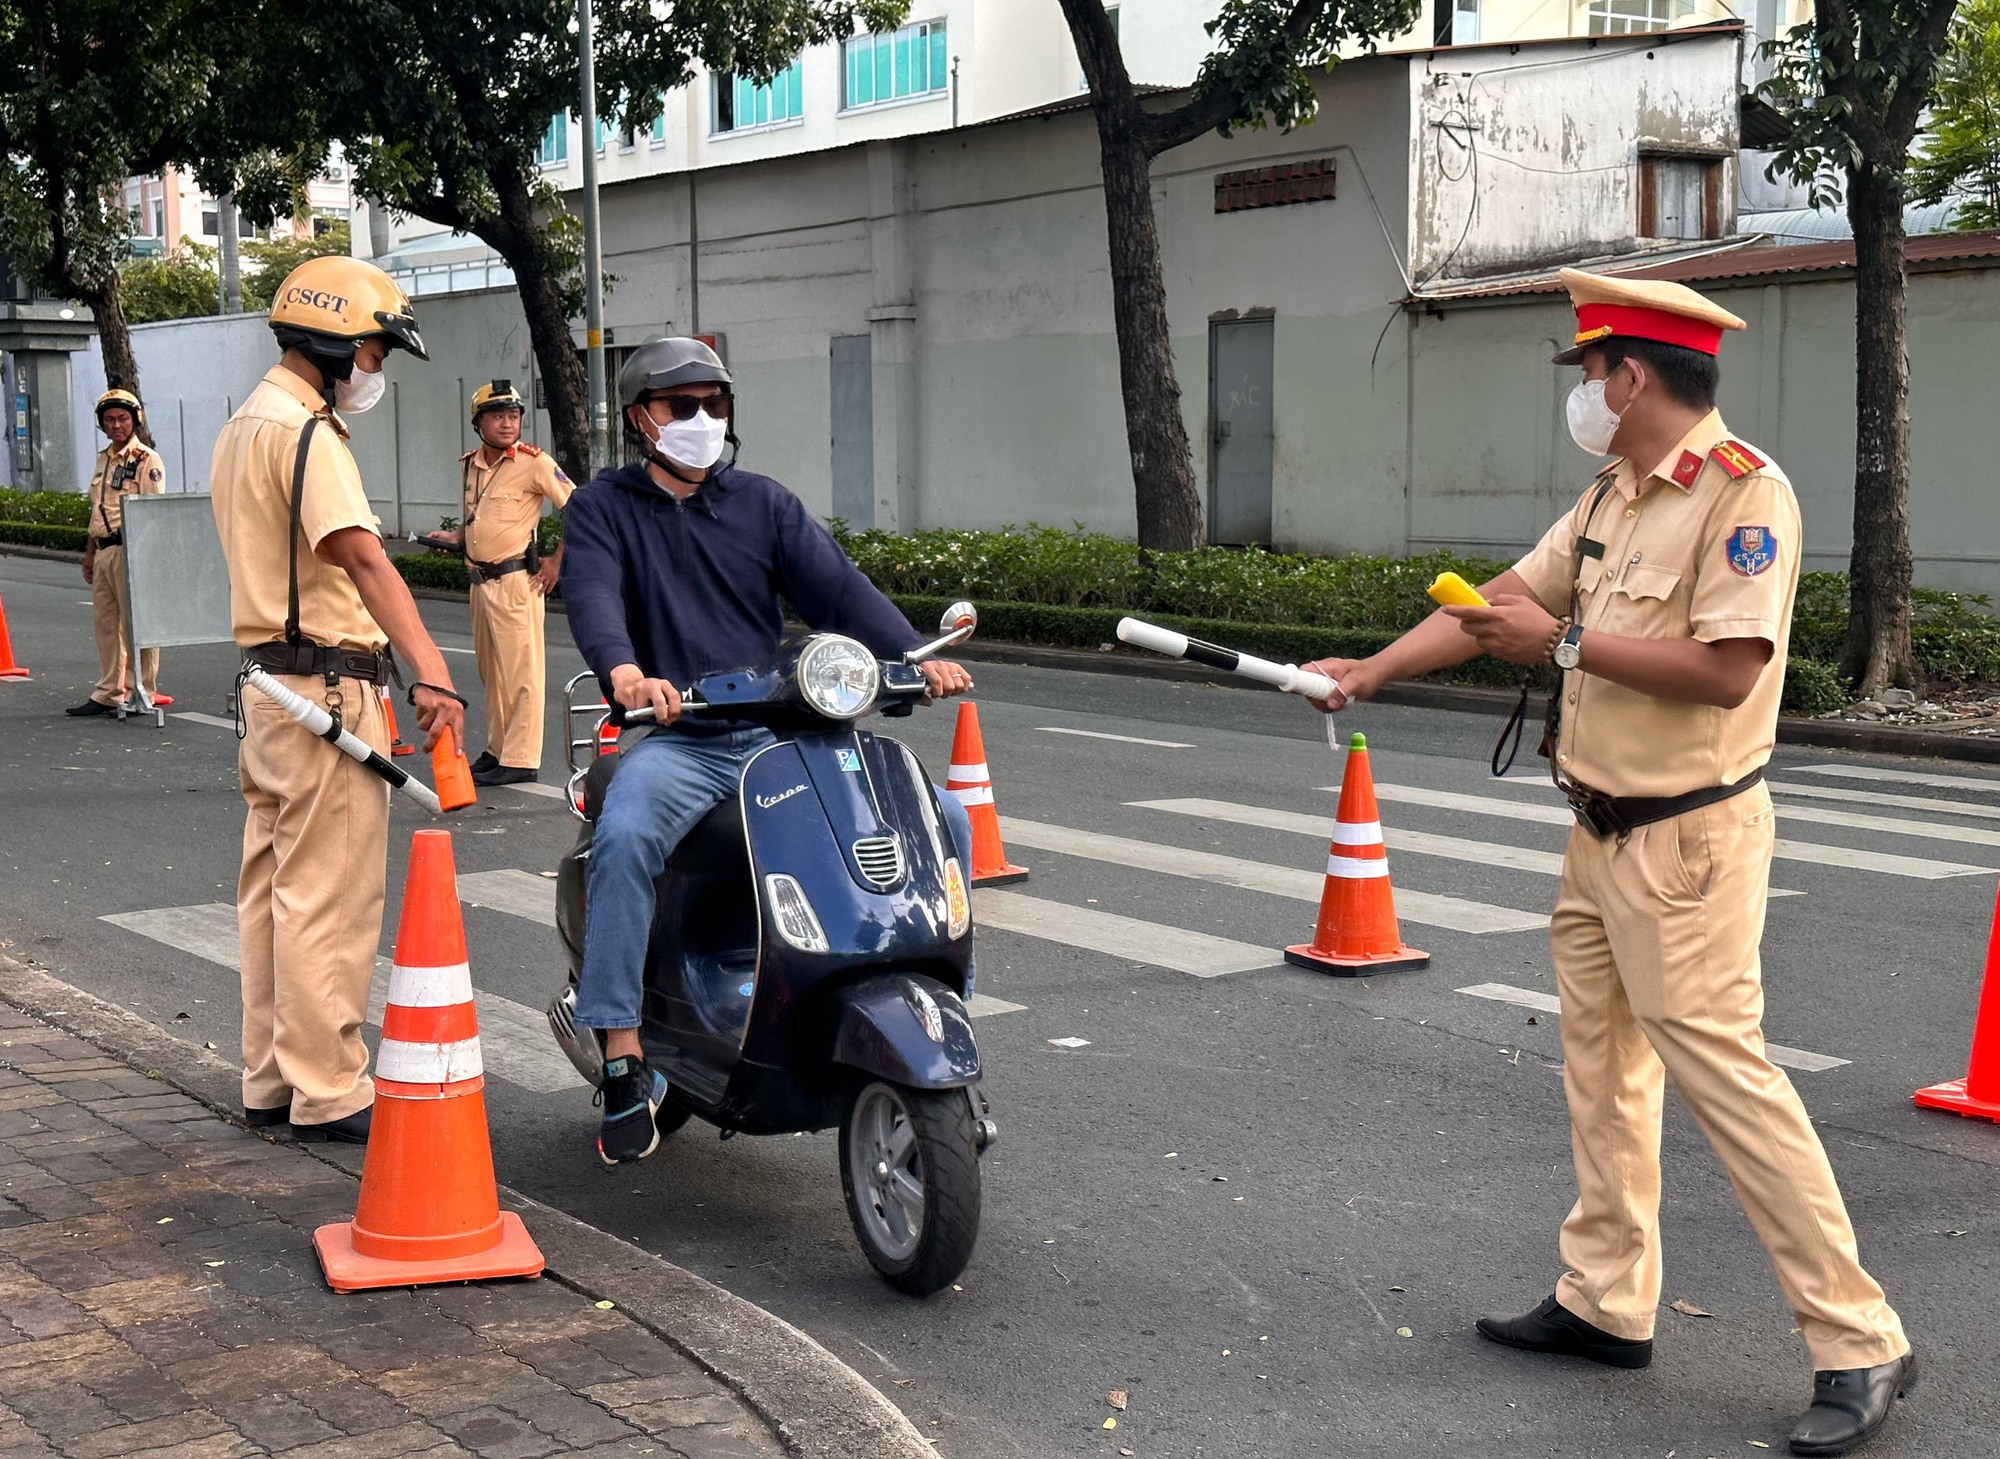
(633,690)
(1357,678)
(945,679)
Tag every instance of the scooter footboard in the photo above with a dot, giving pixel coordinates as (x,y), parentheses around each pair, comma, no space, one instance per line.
(908,1029)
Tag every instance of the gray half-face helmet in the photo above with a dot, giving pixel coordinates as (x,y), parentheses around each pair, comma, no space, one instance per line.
(661,364)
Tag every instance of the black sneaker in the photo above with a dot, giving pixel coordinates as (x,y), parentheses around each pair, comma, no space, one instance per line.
(350,1130)
(505,775)
(90,707)
(631,1095)
(486,761)
(264,1119)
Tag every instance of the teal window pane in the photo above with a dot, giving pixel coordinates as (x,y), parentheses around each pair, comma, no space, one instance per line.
(940,66)
(795,90)
(761,98)
(860,73)
(885,62)
(902,63)
(660,127)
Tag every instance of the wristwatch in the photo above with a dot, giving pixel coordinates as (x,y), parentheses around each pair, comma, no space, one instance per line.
(1568,652)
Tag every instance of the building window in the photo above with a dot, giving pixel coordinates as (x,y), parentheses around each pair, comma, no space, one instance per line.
(325,220)
(890,67)
(1680,197)
(741,104)
(1465,23)
(210,222)
(1631,17)
(660,129)
(554,151)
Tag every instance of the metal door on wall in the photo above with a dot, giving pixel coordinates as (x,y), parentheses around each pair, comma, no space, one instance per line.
(1239,432)
(853,430)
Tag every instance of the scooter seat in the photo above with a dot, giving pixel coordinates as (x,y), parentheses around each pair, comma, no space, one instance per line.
(715,843)
(596,781)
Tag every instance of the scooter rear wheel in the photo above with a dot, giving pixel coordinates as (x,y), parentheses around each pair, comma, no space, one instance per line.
(909,1167)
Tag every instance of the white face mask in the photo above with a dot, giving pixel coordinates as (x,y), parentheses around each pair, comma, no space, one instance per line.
(695,443)
(360,391)
(1592,423)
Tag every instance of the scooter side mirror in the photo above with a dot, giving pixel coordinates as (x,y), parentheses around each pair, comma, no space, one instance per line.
(959,615)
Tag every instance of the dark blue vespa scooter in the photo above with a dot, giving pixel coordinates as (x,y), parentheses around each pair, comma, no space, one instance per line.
(812,951)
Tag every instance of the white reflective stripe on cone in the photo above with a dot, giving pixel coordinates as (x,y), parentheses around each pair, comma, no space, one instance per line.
(971,774)
(407,1063)
(973,795)
(430,987)
(1355,868)
(1357,833)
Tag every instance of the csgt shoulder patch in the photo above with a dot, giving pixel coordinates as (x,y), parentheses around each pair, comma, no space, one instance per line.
(1736,458)
(1751,550)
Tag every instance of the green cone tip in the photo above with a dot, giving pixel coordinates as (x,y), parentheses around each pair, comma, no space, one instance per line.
(1359,742)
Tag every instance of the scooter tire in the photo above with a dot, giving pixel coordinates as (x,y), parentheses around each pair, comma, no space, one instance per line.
(947,1163)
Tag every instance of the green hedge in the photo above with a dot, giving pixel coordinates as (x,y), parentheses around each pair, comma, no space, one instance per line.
(51,508)
(45,534)
(432,570)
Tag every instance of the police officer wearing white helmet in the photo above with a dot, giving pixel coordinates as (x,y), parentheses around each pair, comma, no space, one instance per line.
(674,568)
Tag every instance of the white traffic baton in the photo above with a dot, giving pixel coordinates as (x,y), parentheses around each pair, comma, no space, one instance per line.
(1288,677)
(316,719)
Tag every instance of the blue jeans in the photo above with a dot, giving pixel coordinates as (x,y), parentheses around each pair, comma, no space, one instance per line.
(665,784)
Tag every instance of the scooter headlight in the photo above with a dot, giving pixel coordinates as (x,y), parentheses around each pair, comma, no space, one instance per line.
(839,677)
(793,915)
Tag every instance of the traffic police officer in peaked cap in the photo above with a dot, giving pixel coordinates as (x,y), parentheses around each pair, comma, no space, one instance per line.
(1665,598)
(503,483)
(316,604)
(125,467)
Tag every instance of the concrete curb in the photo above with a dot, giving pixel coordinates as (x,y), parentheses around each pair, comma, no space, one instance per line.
(819,1407)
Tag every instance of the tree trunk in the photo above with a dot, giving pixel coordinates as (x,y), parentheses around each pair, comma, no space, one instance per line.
(1878,649)
(106,302)
(1169,509)
(516,234)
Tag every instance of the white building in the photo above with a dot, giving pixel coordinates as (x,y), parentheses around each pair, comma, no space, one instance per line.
(170,208)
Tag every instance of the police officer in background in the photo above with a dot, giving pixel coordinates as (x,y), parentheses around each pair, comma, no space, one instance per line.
(316,604)
(1665,598)
(125,467)
(503,484)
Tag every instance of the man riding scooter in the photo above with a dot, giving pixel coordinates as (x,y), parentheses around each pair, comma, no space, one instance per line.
(675,568)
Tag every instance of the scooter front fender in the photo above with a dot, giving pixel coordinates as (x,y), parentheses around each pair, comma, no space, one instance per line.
(907,1029)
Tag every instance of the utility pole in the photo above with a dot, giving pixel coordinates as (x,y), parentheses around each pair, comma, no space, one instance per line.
(593,249)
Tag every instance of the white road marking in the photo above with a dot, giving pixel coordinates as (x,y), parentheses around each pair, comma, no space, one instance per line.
(1814,852)
(535,787)
(1904,777)
(979,1005)
(517,893)
(1885,798)
(1548,1003)
(1071,1042)
(214,721)
(519,1046)
(445,648)
(1300,884)
(1198,953)
(1049,729)
(1418,843)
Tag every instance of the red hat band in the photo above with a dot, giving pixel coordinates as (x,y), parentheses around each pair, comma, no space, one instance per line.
(1598,321)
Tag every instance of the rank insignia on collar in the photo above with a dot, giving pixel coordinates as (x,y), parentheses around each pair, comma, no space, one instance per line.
(1737,459)
(1687,469)
(1751,550)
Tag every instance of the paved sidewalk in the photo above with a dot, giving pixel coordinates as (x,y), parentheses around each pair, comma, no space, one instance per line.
(159,1296)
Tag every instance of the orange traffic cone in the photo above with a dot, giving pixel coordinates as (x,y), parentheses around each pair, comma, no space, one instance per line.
(969,781)
(450,774)
(1357,932)
(396,743)
(8,668)
(429,1210)
(1978,1093)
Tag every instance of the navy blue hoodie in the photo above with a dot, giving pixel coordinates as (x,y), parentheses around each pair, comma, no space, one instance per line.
(687,588)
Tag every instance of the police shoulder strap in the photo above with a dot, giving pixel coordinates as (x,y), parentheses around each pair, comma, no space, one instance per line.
(292,634)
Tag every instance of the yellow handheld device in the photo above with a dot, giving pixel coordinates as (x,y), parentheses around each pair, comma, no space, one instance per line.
(1455,592)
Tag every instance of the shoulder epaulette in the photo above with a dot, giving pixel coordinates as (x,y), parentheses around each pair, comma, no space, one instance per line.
(527,449)
(1736,458)
(470,454)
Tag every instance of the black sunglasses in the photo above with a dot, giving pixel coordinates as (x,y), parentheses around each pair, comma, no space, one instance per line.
(684,406)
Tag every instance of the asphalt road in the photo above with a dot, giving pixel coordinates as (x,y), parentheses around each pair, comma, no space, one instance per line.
(1267,1204)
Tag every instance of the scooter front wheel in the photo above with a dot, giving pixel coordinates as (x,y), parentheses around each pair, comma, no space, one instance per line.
(909,1167)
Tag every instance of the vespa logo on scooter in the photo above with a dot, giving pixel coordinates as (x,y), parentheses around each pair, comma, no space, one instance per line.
(767,801)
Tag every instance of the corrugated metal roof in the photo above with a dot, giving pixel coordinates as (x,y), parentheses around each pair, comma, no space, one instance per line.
(1757,260)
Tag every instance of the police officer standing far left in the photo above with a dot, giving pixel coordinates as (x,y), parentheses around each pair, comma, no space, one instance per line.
(127,466)
(503,483)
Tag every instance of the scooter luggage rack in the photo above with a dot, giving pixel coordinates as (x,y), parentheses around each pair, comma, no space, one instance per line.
(600,712)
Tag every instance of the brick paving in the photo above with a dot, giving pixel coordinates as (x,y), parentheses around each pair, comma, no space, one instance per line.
(159,1297)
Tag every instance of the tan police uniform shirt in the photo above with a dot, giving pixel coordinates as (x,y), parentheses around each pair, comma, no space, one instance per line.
(503,502)
(252,482)
(1703,545)
(110,484)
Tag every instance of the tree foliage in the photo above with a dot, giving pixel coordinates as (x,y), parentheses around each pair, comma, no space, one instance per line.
(181,284)
(1259,73)
(1960,152)
(272,259)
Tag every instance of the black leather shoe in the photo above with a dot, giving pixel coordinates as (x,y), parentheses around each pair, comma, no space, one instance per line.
(486,761)
(264,1119)
(89,708)
(505,775)
(1850,1404)
(353,1130)
(1553,1328)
